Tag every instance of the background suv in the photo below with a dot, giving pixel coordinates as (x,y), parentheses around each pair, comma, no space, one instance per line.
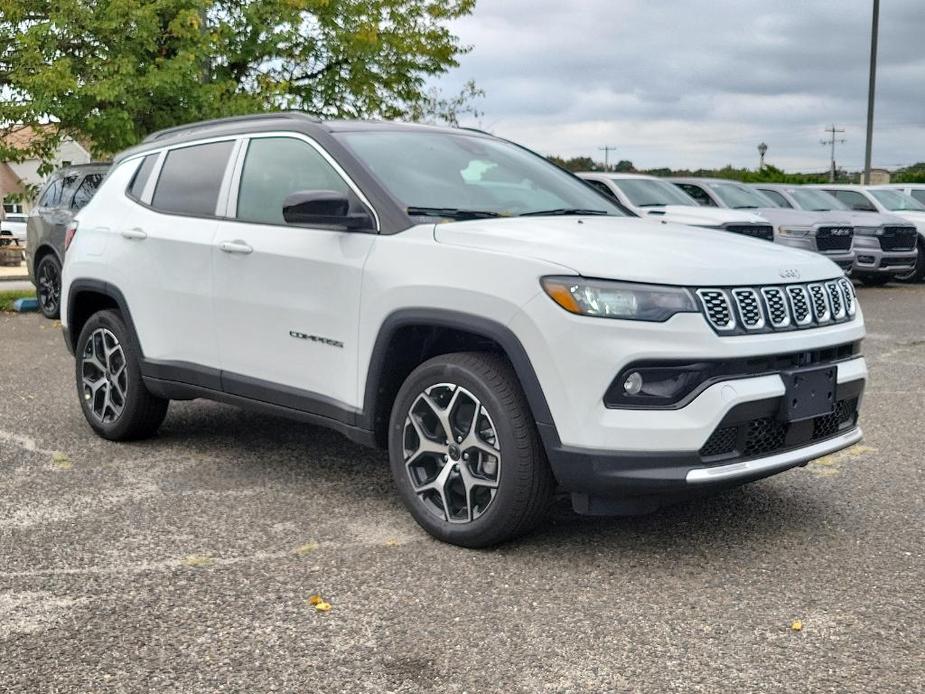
(884,244)
(495,324)
(871,199)
(656,199)
(65,192)
(828,233)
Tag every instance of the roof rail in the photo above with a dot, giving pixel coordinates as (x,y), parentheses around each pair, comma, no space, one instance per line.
(166,132)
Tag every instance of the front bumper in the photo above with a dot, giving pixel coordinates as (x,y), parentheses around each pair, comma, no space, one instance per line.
(871,259)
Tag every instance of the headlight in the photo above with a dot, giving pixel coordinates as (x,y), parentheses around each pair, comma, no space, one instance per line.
(624,300)
(796,232)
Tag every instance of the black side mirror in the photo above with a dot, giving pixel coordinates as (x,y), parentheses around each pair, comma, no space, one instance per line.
(325,208)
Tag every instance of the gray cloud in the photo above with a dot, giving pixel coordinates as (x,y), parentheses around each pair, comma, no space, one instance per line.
(700,82)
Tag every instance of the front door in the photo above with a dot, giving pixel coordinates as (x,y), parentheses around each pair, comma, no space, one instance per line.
(287,298)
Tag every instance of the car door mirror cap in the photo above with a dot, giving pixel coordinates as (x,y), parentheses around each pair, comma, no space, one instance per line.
(326,208)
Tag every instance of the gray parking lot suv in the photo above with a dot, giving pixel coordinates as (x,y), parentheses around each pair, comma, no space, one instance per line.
(884,244)
(656,199)
(828,233)
(62,196)
(883,200)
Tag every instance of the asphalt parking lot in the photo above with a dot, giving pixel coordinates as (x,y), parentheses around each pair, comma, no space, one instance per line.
(184,564)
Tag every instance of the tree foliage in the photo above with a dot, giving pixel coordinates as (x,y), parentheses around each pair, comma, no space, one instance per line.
(112,71)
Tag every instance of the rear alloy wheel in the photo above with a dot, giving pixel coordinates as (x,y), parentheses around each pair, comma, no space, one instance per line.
(112,393)
(48,284)
(464,450)
(918,272)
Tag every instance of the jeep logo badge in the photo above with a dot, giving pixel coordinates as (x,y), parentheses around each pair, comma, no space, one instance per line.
(789,273)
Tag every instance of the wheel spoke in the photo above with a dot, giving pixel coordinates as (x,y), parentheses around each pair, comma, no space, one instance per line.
(104,376)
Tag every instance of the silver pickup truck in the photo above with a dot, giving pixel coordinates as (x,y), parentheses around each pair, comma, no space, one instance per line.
(828,233)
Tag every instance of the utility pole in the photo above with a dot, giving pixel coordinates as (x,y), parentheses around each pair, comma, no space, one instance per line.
(607,149)
(871,88)
(831,141)
(762,150)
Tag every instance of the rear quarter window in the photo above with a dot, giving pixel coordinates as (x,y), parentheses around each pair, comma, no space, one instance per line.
(140,179)
(190,179)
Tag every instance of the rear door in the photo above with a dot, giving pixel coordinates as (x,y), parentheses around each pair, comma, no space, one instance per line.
(287,298)
(163,252)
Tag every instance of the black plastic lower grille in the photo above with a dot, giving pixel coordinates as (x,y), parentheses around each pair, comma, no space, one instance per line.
(767,435)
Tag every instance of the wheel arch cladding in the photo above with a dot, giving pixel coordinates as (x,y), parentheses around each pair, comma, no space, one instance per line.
(409,337)
(86,297)
(41,252)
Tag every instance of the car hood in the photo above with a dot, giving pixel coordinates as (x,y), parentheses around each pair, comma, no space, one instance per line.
(870,219)
(917,218)
(699,216)
(628,248)
(780,216)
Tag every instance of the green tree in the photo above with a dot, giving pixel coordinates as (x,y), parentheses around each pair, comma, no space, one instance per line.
(112,71)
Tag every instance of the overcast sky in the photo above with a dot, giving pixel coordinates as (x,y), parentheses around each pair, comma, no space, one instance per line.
(699,82)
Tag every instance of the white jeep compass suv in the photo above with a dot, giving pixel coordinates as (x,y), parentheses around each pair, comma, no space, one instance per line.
(504,330)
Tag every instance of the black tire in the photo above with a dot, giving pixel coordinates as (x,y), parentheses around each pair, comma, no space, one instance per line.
(48,286)
(875,280)
(141,413)
(918,273)
(525,483)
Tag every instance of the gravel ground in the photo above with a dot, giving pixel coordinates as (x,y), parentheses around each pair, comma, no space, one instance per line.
(184,564)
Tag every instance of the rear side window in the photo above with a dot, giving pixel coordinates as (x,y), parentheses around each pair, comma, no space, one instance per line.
(276,167)
(918,194)
(70,185)
(52,194)
(86,190)
(190,179)
(141,176)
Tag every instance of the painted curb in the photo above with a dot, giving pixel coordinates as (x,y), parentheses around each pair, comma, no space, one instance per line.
(24,305)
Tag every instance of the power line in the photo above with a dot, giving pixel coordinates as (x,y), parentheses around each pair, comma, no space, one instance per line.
(831,141)
(607,149)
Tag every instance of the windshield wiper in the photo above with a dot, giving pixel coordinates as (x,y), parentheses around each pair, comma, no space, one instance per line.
(745,207)
(451,213)
(654,204)
(562,211)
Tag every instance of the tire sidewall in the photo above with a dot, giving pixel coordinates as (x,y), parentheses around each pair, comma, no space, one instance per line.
(50,259)
(134,386)
(498,513)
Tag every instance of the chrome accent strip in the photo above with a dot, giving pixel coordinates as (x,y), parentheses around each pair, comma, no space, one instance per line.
(809,306)
(787,459)
(731,323)
(737,295)
(781,295)
(824,317)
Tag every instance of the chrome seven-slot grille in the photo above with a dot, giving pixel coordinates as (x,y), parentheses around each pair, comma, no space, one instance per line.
(741,310)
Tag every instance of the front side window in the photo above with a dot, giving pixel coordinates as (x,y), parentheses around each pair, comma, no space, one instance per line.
(918,194)
(644,192)
(697,193)
(896,201)
(455,174)
(775,197)
(739,197)
(855,200)
(276,167)
(816,200)
(85,190)
(190,179)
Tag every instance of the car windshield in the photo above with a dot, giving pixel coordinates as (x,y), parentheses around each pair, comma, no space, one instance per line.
(739,197)
(465,176)
(816,200)
(896,201)
(647,192)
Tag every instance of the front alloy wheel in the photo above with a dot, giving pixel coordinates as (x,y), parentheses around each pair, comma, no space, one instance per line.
(465,453)
(104,376)
(451,453)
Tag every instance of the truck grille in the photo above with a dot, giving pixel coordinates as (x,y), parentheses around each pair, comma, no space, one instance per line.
(898,238)
(758,231)
(834,238)
(740,310)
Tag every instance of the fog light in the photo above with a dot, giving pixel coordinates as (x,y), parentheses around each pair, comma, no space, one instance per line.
(633,383)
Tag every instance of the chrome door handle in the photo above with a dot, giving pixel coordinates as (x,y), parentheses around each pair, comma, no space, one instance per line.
(134,233)
(235,247)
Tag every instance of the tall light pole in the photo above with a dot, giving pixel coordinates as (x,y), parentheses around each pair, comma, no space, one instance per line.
(762,150)
(871,88)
